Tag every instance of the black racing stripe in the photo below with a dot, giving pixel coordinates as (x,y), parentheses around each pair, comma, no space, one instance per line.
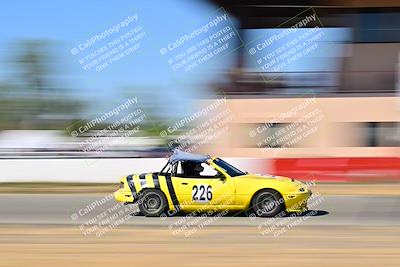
(131,185)
(172,192)
(156,182)
(142,178)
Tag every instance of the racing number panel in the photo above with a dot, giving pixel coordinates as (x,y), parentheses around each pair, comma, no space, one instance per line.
(204,191)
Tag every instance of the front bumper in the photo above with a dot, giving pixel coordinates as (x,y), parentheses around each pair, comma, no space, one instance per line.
(297,202)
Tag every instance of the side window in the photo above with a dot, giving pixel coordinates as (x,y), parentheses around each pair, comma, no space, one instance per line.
(208,170)
(191,169)
(179,170)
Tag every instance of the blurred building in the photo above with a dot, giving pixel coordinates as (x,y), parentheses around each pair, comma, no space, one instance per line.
(358,98)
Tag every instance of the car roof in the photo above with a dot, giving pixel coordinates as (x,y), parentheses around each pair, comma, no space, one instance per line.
(179,155)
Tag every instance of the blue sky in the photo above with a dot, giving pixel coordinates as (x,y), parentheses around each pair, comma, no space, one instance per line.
(71,22)
(145,73)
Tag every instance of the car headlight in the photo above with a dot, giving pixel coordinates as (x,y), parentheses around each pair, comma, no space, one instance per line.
(121,185)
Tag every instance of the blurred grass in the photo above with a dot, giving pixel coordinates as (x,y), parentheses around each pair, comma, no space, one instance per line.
(101,188)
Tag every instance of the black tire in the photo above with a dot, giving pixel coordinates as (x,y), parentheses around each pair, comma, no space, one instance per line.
(267,203)
(152,203)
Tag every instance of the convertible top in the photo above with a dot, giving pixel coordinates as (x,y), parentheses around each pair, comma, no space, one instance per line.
(180,155)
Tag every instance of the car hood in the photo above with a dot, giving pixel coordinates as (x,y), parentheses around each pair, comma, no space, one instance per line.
(272,178)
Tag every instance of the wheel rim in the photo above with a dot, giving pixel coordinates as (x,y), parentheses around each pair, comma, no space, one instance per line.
(267,203)
(152,203)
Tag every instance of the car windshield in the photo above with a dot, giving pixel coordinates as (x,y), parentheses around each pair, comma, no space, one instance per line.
(232,171)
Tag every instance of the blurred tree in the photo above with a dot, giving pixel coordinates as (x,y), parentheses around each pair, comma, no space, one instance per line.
(35,98)
(33,64)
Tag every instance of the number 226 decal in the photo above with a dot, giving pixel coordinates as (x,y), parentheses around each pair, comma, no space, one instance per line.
(202,193)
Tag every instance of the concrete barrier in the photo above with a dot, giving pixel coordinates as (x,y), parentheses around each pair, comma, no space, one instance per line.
(107,170)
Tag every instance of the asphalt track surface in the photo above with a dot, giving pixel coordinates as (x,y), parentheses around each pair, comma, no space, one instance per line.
(59,230)
(73,209)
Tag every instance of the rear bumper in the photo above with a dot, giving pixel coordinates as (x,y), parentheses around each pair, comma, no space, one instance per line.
(123,196)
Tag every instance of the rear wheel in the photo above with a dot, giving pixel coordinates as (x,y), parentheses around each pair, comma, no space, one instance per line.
(267,203)
(152,203)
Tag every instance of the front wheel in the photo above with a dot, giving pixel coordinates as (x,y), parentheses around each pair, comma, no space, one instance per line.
(267,203)
(152,203)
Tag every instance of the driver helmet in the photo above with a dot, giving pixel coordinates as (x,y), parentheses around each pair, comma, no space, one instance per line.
(198,168)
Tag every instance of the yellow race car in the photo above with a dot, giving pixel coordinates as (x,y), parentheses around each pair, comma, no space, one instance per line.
(199,183)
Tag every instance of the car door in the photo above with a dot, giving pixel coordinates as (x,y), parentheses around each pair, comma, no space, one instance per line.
(208,191)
